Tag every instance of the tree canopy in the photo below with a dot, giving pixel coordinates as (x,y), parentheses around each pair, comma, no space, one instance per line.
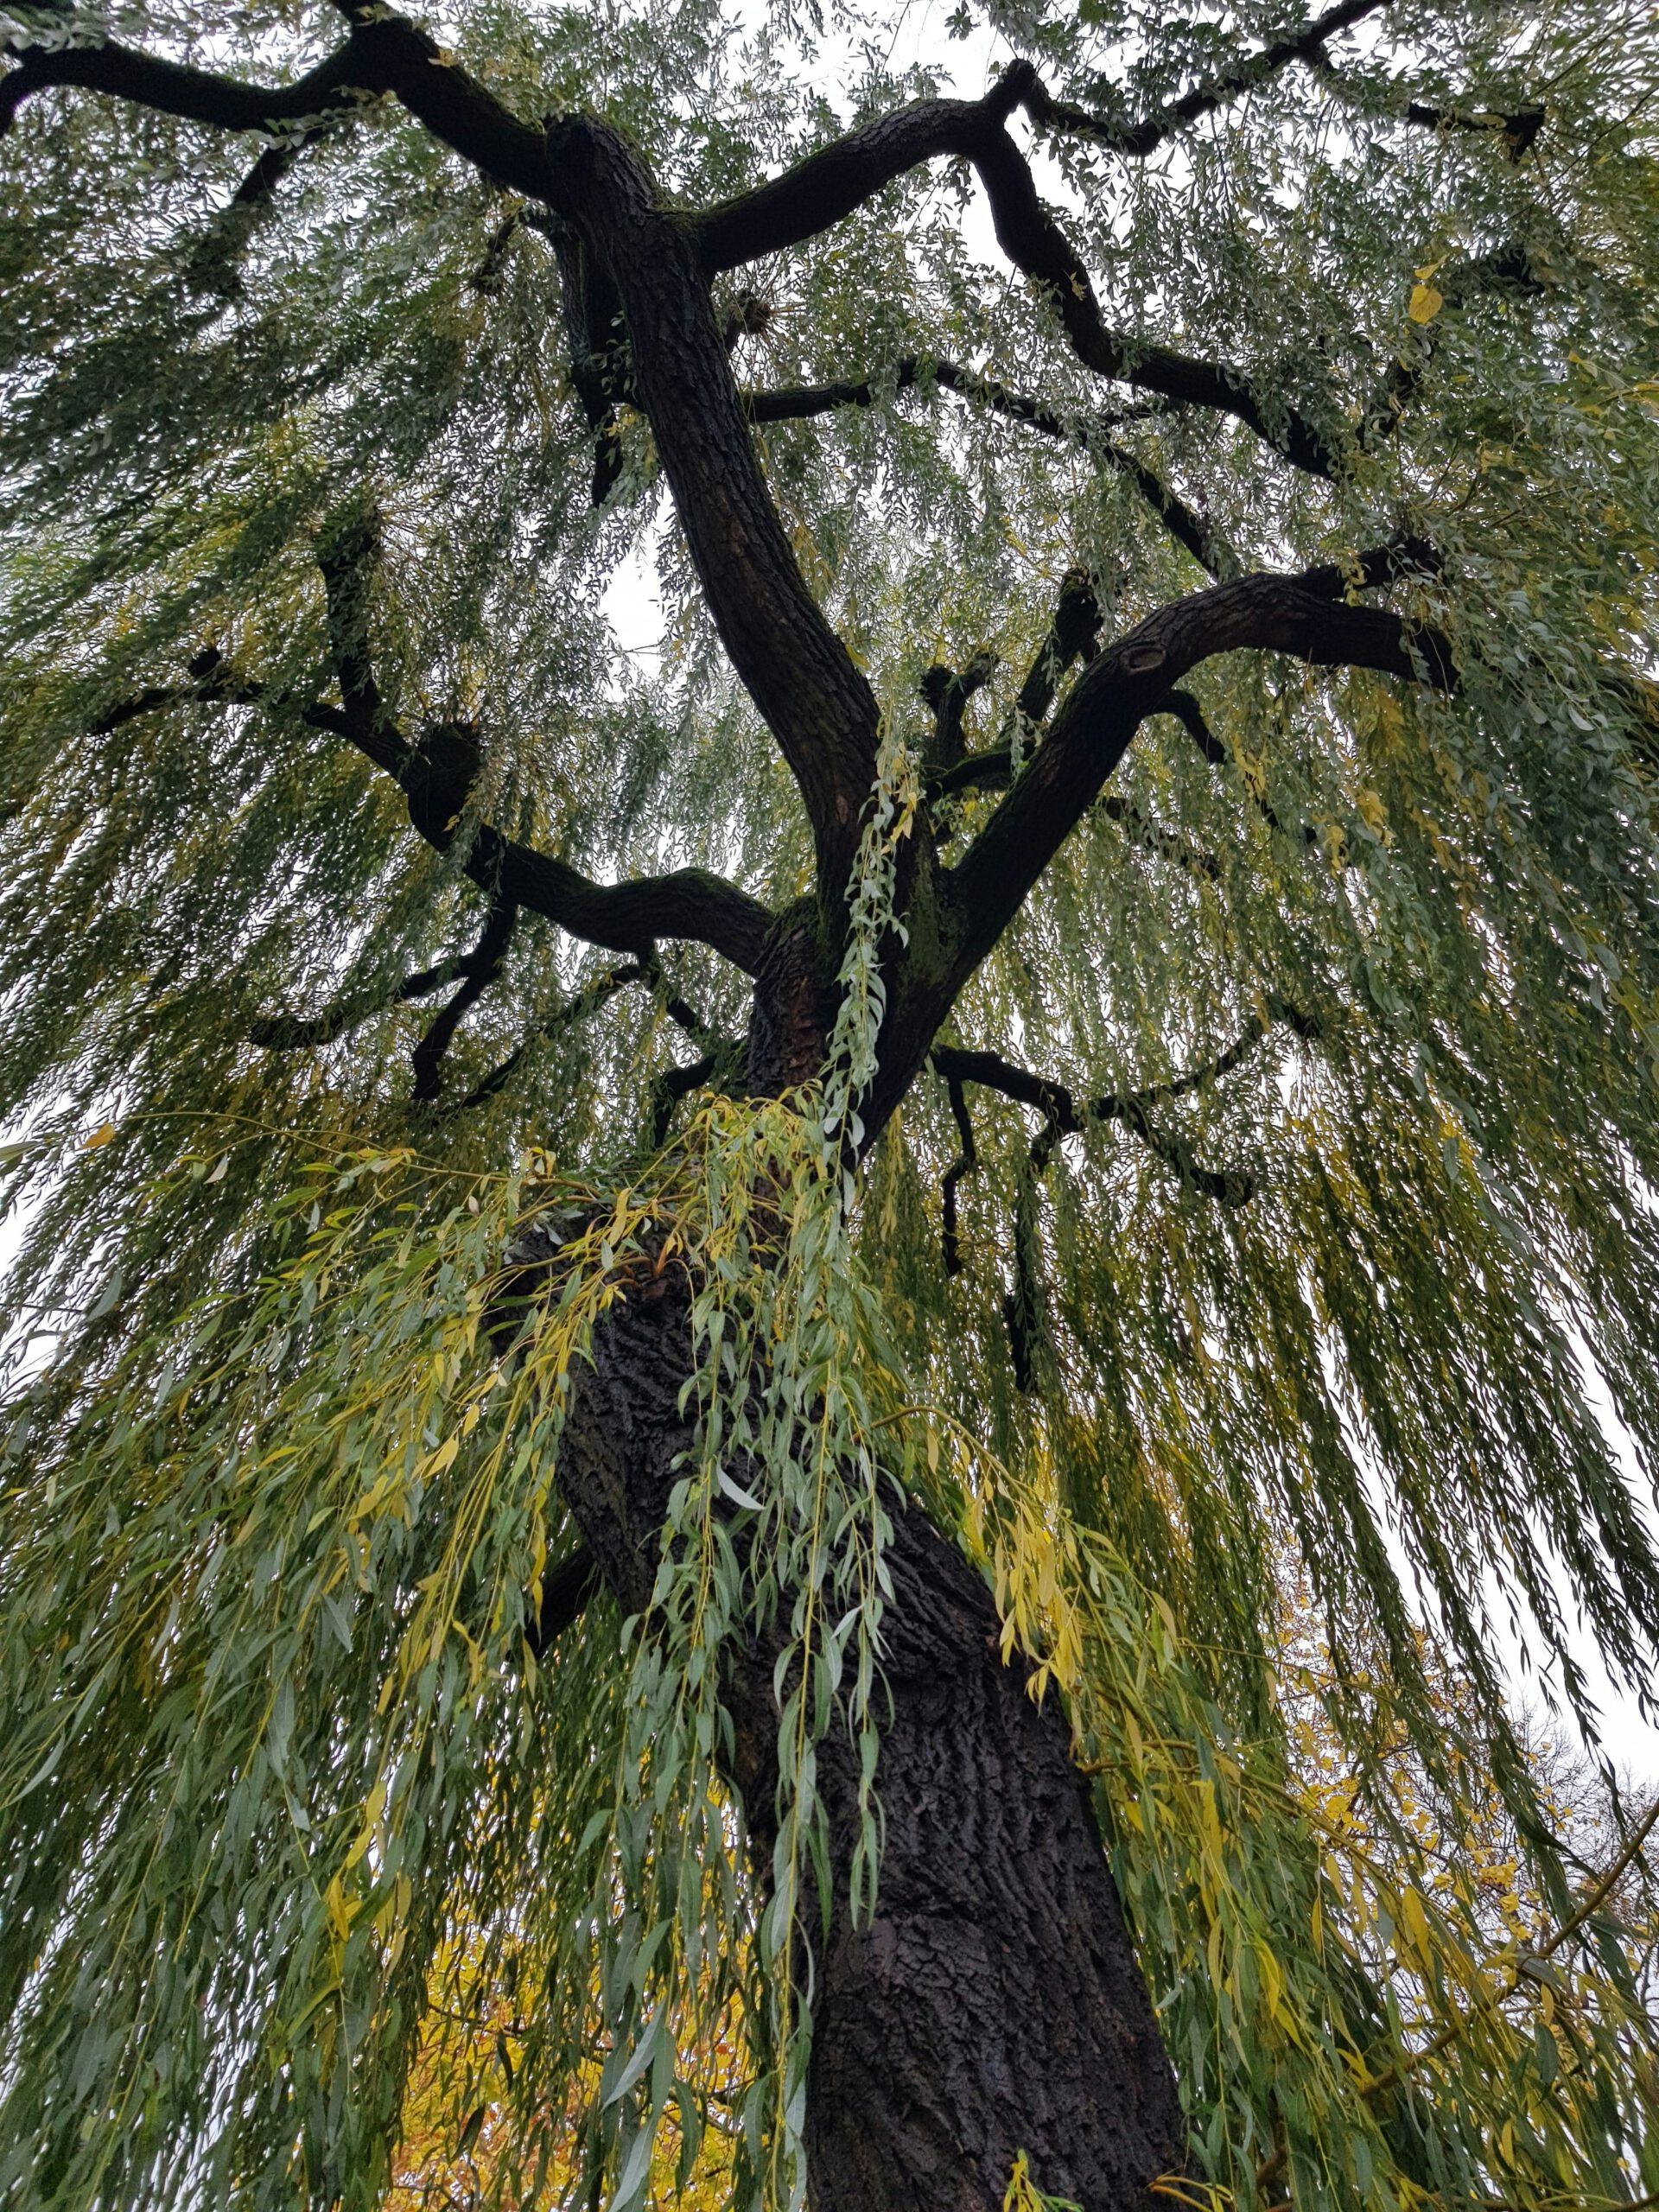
(1113,949)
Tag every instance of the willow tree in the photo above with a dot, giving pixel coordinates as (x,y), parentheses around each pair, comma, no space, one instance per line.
(812,1350)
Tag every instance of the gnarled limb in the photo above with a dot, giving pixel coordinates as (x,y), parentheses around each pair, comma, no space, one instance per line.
(436,774)
(332,87)
(827,186)
(947,692)
(1062,1117)
(1300,614)
(808,689)
(1309,615)
(1073,635)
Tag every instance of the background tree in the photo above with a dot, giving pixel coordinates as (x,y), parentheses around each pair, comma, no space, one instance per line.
(696,1303)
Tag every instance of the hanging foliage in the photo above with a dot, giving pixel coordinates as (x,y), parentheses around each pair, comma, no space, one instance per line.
(1096,984)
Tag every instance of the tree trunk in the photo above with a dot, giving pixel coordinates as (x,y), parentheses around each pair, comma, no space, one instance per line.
(994,2004)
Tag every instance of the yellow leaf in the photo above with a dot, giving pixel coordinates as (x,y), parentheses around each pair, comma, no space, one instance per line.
(98,1137)
(1426,303)
(372,1813)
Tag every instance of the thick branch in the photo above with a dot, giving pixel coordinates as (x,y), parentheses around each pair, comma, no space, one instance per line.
(1275,614)
(820,191)
(1038,247)
(196,95)
(947,693)
(484,967)
(436,776)
(809,692)
(827,186)
(1062,1117)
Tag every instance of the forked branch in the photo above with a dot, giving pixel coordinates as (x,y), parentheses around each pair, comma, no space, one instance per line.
(484,968)
(1307,616)
(825,188)
(1140,140)
(1062,1117)
(799,402)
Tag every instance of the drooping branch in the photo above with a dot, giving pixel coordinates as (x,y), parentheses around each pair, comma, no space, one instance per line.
(827,186)
(588,1000)
(1509,268)
(964,1164)
(484,968)
(1140,140)
(331,87)
(1185,709)
(1038,247)
(802,402)
(1164,844)
(213,262)
(594,995)
(1062,1116)
(291,1033)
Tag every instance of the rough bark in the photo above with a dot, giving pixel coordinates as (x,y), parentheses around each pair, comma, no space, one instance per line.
(994,2004)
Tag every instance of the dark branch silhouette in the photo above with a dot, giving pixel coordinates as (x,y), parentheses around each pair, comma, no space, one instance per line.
(799,402)
(484,968)
(566,1590)
(1062,1117)
(1307,616)
(437,773)
(820,191)
(290,1032)
(1140,140)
